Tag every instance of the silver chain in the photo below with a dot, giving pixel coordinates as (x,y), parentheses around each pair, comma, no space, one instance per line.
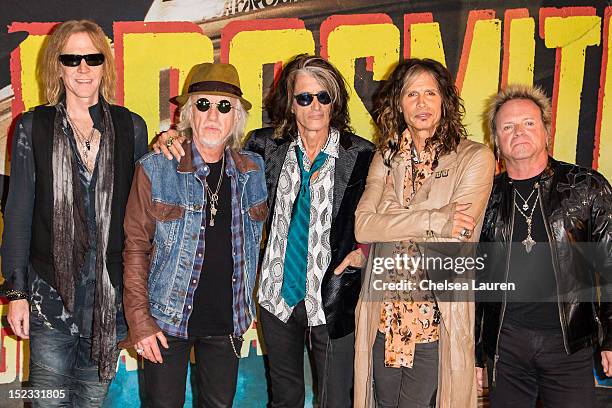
(80,138)
(231,337)
(525,202)
(214,197)
(528,242)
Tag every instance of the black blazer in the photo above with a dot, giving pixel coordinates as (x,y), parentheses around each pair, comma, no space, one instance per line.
(339,292)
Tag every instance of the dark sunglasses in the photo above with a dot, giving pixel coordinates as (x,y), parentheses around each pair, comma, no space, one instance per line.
(305,98)
(74,60)
(223,106)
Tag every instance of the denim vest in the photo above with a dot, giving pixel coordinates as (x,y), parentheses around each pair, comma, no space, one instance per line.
(178,205)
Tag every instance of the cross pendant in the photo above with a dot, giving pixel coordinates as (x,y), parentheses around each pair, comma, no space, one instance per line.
(529,243)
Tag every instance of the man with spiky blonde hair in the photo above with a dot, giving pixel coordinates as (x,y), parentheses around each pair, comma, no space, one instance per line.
(550,225)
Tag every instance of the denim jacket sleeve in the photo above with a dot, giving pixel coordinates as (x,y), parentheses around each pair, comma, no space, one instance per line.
(19,207)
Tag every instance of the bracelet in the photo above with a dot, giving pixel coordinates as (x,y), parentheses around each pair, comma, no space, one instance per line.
(15,295)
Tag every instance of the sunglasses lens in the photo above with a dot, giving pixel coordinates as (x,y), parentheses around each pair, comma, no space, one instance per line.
(70,60)
(224,106)
(304,99)
(203,104)
(93,60)
(324,98)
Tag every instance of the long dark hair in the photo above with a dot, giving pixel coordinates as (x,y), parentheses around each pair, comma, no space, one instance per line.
(278,102)
(390,119)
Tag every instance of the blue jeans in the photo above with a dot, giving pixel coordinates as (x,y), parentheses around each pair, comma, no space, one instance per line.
(59,361)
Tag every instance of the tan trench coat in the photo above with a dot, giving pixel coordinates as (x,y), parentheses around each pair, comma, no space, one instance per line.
(464,176)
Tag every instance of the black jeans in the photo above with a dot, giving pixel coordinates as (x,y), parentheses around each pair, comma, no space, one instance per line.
(216,371)
(333,361)
(534,364)
(406,387)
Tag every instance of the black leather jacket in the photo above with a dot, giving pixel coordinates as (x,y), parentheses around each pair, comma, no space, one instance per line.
(577,207)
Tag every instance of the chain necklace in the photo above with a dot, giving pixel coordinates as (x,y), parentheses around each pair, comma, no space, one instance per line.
(525,202)
(85,142)
(214,197)
(528,242)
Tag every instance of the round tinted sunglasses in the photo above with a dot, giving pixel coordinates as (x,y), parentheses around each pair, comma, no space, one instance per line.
(223,106)
(306,98)
(74,60)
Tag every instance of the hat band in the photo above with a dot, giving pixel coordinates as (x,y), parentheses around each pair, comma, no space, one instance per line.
(214,86)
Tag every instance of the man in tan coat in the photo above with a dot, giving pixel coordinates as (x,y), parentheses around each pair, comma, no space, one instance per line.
(427,183)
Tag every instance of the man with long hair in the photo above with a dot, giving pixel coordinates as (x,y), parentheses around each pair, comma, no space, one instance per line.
(427,183)
(311,268)
(71,170)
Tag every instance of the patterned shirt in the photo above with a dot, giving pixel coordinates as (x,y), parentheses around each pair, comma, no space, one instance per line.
(319,256)
(240,311)
(408,322)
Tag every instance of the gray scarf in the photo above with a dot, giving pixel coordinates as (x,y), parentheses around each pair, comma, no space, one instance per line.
(70,235)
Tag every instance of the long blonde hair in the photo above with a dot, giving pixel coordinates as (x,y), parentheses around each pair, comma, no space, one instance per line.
(51,66)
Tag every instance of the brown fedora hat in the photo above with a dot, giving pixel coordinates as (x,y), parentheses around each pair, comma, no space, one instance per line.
(213,79)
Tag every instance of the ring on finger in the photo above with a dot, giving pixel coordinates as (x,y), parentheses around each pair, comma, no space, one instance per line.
(169,141)
(466,233)
(139,351)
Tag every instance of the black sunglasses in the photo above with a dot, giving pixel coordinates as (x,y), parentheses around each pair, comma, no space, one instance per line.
(74,60)
(223,106)
(306,98)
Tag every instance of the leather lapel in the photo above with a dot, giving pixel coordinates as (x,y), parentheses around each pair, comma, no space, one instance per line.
(347,155)
(275,153)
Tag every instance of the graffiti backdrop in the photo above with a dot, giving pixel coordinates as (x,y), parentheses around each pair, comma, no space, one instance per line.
(563,46)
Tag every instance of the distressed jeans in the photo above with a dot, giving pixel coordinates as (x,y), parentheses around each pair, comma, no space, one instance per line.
(59,361)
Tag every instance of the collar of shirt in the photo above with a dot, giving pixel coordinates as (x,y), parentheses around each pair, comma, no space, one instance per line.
(330,148)
(407,146)
(202,169)
(95,112)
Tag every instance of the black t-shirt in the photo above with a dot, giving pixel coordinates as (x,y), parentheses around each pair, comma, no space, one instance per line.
(534,303)
(213,298)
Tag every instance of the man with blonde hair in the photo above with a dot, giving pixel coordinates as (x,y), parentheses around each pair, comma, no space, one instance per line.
(548,230)
(71,171)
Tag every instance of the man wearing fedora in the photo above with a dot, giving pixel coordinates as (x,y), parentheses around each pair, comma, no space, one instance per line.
(193,229)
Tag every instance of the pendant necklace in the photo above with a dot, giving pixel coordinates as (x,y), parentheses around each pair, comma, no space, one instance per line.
(85,142)
(214,197)
(528,242)
(525,201)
